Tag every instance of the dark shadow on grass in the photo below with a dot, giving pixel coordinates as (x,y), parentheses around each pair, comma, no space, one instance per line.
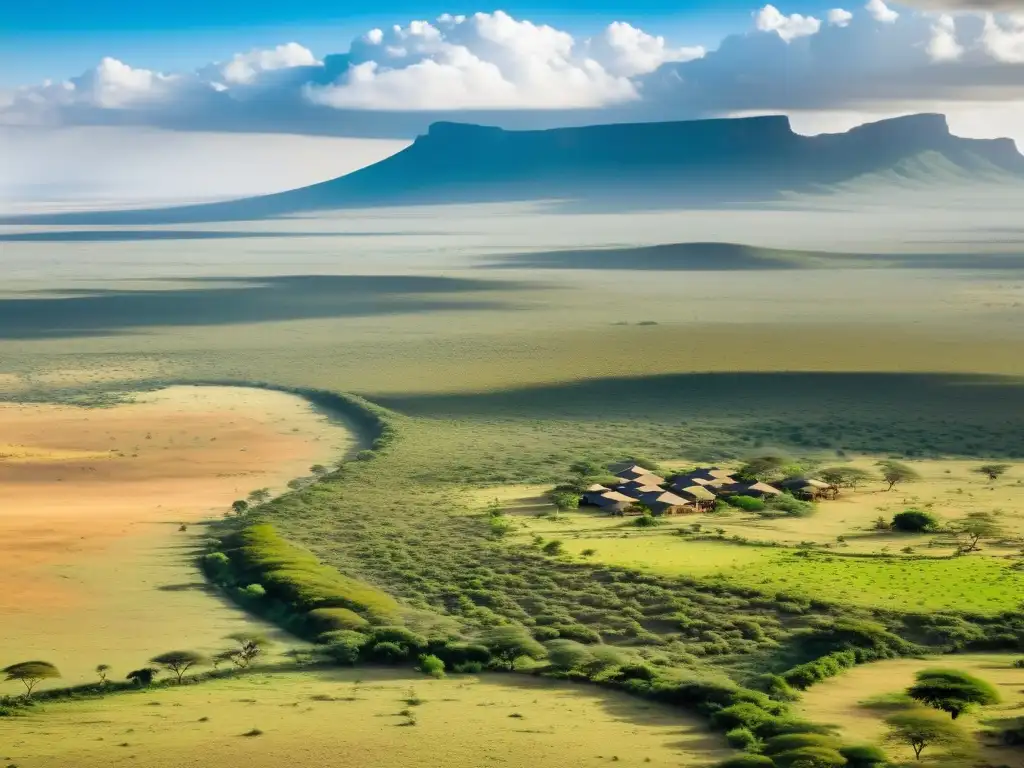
(223,301)
(913,414)
(139,235)
(738,256)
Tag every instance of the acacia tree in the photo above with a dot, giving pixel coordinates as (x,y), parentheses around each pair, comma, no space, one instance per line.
(30,674)
(844,477)
(178,662)
(240,507)
(511,642)
(250,646)
(923,729)
(992,471)
(895,472)
(972,529)
(768,468)
(102,670)
(951,690)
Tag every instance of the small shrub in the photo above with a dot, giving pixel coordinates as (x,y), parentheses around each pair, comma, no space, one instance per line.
(747,761)
(790,741)
(334,619)
(432,666)
(863,756)
(254,591)
(914,521)
(253,732)
(742,738)
(810,757)
(553,547)
(747,503)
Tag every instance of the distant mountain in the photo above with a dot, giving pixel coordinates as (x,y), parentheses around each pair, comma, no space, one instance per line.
(630,166)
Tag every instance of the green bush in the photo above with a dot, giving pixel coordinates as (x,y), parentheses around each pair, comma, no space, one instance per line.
(545,633)
(294,576)
(790,505)
(863,756)
(743,715)
(747,761)
(432,666)
(344,646)
(218,567)
(330,619)
(810,757)
(567,654)
(790,741)
(742,738)
(747,503)
(254,591)
(914,521)
(578,632)
(387,653)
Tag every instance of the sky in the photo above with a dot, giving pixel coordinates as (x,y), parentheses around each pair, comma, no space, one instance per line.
(381,73)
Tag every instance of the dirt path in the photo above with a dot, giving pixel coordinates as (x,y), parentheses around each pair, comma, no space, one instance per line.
(93,565)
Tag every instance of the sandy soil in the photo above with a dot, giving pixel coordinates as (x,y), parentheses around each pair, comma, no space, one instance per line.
(94,565)
(314,719)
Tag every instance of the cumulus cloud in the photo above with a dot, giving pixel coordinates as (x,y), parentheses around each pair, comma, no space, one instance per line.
(881,12)
(1005,41)
(624,50)
(943,45)
(245,68)
(838,17)
(483,61)
(771,19)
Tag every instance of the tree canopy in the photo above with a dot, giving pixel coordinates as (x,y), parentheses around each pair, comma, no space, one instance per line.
(178,662)
(992,471)
(31,673)
(975,527)
(250,646)
(844,477)
(922,729)
(951,690)
(914,521)
(895,472)
(768,467)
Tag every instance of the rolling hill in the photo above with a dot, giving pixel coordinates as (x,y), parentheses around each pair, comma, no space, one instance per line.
(627,166)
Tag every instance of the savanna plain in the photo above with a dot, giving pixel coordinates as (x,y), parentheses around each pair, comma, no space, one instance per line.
(318,458)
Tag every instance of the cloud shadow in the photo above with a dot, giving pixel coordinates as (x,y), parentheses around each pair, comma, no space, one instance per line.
(228,301)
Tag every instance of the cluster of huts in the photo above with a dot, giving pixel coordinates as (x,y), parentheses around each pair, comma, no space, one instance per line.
(691,492)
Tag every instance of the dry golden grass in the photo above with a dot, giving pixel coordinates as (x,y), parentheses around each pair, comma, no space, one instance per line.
(314,719)
(94,566)
(840,700)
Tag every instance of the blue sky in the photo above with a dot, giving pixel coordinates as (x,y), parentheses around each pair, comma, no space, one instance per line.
(53,39)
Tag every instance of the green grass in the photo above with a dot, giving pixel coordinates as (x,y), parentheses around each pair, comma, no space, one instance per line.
(971,584)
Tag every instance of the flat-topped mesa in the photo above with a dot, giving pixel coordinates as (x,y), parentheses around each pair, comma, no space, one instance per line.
(624,166)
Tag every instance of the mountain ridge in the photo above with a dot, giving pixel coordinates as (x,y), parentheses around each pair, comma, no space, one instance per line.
(684,164)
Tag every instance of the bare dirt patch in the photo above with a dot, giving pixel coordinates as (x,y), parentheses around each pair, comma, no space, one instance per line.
(94,565)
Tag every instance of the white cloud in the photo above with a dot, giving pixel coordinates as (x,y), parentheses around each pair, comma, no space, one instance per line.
(625,50)
(881,12)
(943,45)
(495,69)
(245,68)
(490,61)
(771,19)
(1004,41)
(838,17)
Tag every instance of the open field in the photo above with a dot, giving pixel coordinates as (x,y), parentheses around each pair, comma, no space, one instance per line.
(351,718)
(840,701)
(94,566)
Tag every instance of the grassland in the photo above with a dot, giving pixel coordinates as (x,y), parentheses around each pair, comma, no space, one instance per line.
(502,378)
(854,702)
(353,718)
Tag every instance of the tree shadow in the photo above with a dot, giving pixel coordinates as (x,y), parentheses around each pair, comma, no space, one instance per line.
(224,301)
